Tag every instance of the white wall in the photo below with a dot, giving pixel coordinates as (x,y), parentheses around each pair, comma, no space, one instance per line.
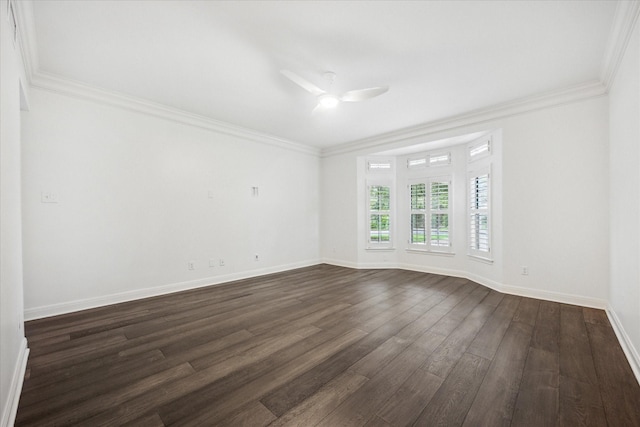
(139,197)
(552,216)
(338,210)
(624,117)
(555,193)
(13,350)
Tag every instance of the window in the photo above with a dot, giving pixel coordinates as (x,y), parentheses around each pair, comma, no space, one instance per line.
(379,216)
(440,159)
(429,200)
(428,161)
(480,213)
(379,166)
(417,162)
(480,149)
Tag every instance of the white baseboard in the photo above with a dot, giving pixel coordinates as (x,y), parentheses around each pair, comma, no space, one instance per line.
(11,405)
(555,296)
(84,304)
(340,263)
(625,342)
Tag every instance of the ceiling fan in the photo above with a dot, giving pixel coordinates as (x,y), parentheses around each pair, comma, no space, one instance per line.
(327,99)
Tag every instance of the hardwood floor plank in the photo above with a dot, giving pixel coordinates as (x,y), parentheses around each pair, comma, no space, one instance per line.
(537,403)
(150,420)
(595,316)
(444,358)
(486,342)
(576,360)
(254,414)
(450,404)
(448,323)
(377,422)
(527,311)
(312,410)
(496,397)
(406,404)
(377,359)
(546,334)
(580,404)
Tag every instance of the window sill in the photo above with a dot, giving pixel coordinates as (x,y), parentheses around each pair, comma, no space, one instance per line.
(388,249)
(481,259)
(427,252)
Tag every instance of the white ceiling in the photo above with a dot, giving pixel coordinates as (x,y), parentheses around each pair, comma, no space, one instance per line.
(222,59)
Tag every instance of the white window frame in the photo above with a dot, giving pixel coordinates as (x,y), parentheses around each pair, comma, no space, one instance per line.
(472,246)
(427,246)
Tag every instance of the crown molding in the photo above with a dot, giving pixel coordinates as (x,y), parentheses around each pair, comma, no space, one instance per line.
(499,111)
(53,83)
(624,21)
(27,36)
(63,86)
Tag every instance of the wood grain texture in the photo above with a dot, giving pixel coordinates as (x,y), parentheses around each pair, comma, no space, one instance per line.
(329,346)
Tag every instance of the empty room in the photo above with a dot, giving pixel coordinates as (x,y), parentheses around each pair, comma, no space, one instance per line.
(331,213)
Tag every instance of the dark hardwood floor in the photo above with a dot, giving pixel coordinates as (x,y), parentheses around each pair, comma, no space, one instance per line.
(330,346)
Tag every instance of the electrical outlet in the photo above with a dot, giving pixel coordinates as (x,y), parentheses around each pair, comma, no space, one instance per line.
(221,262)
(212,262)
(48,197)
(191,265)
(525,270)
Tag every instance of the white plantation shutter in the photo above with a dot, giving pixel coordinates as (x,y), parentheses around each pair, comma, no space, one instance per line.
(417,162)
(439,213)
(480,150)
(379,217)
(430,214)
(379,165)
(479,213)
(418,197)
(439,159)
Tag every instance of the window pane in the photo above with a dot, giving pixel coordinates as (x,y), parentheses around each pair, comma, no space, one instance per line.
(374,228)
(418,196)
(379,228)
(479,232)
(440,230)
(479,150)
(440,159)
(439,195)
(418,232)
(379,198)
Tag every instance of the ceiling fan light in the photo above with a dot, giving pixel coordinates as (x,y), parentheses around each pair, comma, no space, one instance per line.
(328,100)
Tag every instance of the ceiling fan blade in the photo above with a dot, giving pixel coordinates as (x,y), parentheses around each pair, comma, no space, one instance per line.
(362,94)
(305,84)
